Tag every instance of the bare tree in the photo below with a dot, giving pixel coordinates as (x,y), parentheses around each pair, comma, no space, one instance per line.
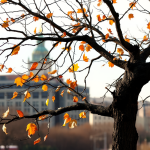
(56,17)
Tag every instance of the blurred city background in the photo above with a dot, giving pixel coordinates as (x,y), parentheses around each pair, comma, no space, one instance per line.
(93,132)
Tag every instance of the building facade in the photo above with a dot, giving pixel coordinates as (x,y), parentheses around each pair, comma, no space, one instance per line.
(95,119)
(142,119)
(38,97)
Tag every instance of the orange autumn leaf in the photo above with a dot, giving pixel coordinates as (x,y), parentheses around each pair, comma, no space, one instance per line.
(81,47)
(27,95)
(148,26)
(35,30)
(37,141)
(44,87)
(66,48)
(72,124)
(120,51)
(99,3)
(15,94)
(83,98)
(145,38)
(35,18)
(104,17)
(49,15)
(114,1)
(132,5)
(52,72)
(58,88)
(34,65)
(9,70)
(24,78)
(130,16)
(83,42)
(31,128)
(98,18)
(5,24)
(77,24)
(62,93)
(66,115)
(85,58)
(60,76)
(53,98)
(4,129)
(43,117)
(109,30)
(45,60)
(6,113)
(110,64)
(126,39)
(75,99)
(43,77)
(80,10)
(75,67)
(31,75)
(36,79)
(68,91)
(85,29)
(82,115)
(88,48)
(107,36)
(18,81)
(70,13)
(66,119)
(3,1)
(12,20)
(20,113)
(22,15)
(111,22)
(45,138)
(73,85)
(64,34)
(1,67)
(15,50)
(68,81)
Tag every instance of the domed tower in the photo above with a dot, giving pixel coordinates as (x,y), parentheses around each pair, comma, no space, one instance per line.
(38,54)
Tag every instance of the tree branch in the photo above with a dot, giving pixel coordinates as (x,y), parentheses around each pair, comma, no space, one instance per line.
(95,109)
(126,45)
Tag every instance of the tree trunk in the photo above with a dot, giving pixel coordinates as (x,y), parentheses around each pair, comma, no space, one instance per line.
(125,135)
(125,99)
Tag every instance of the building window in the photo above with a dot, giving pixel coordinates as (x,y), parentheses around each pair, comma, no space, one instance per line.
(18,104)
(27,110)
(99,117)
(34,111)
(44,108)
(9,95)
(26,104)
(9,103)
(35,94)
(95,117)
(35,104)
(43,104)
(44,94)
(1,95)
(1,104)
(18,96)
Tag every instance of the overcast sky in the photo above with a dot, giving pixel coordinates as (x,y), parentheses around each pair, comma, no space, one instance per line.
(99,75)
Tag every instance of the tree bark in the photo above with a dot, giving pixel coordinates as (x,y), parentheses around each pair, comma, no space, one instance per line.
(125,100)
(125,135)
